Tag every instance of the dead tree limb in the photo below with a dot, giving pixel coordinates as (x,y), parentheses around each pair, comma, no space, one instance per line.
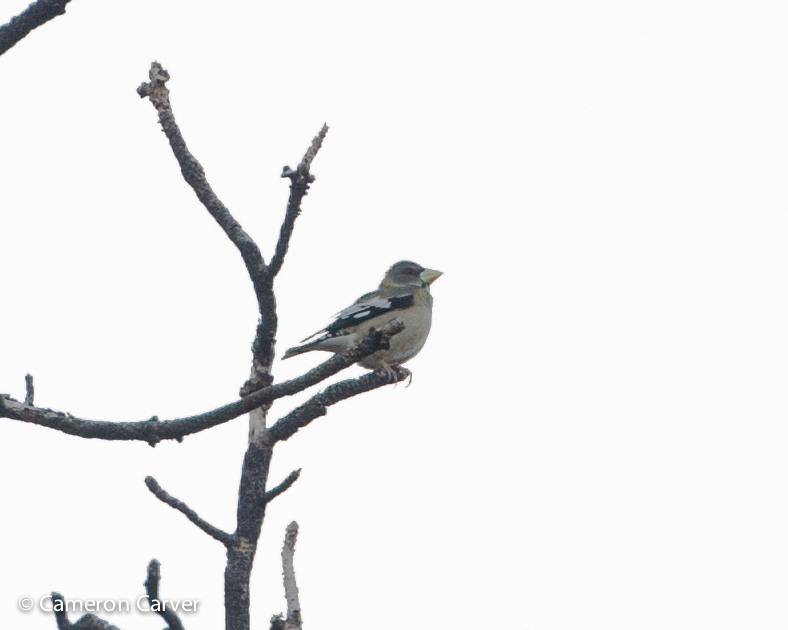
(293,619)
(154,430)
(162,495)
(158,93)
(257,461)
(86,622)
(92,622)
(257,394)
(299,185)
(318,405)
(35,15)
(271,494)
(152,589)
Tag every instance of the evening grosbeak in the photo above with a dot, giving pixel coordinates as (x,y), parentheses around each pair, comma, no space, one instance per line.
(404,293)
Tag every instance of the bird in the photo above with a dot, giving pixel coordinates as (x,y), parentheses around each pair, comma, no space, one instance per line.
(404,293)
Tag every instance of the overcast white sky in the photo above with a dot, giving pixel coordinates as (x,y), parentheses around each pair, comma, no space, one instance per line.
(596,432)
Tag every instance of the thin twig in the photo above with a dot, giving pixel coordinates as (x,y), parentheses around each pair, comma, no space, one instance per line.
(293,620)
(299,185)
(29,390)
(152,589)
(154,430)
(194,175)
(35,15)
(163,496)
(282,487)
(311,152)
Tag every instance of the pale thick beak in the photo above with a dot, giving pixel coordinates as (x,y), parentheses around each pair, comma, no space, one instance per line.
(428,276)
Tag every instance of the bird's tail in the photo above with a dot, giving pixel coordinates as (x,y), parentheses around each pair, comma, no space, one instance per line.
(298,350)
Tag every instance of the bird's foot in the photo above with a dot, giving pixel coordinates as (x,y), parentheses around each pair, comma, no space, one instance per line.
(389,372)
(409,375)
(393,373)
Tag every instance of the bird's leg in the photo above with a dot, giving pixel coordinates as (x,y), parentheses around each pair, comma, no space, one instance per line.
(386,370)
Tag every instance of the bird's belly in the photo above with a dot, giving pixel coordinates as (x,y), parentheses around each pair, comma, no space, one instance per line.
(406,344)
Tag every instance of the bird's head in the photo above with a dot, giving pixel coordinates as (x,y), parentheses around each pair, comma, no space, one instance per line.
(409,274)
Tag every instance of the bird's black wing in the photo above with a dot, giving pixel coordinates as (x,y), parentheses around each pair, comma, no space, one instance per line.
(366,309)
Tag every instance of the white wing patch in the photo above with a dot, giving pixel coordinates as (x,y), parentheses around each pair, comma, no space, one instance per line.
(362,308)
(365,308)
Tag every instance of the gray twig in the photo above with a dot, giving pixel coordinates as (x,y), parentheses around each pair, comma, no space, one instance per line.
(29,390)
(162,495)
(159,95)
(282,487)
(152,589)
(299,186)
(293,620)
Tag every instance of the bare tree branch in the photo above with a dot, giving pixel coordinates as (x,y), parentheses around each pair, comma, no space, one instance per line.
(194,175)
(256,396)
(92,622)
(299,185)
(152,588)
(318,405)
(262,276)
(263,347)
(293,620)
(163,496)
(86,622)
(154,430)
(282,487)
(34,16)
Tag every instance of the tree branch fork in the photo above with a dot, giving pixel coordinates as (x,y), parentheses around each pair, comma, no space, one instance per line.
(92,622)
(257,394)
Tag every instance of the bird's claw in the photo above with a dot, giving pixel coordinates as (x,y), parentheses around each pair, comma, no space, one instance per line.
(389,372)
(394,372)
